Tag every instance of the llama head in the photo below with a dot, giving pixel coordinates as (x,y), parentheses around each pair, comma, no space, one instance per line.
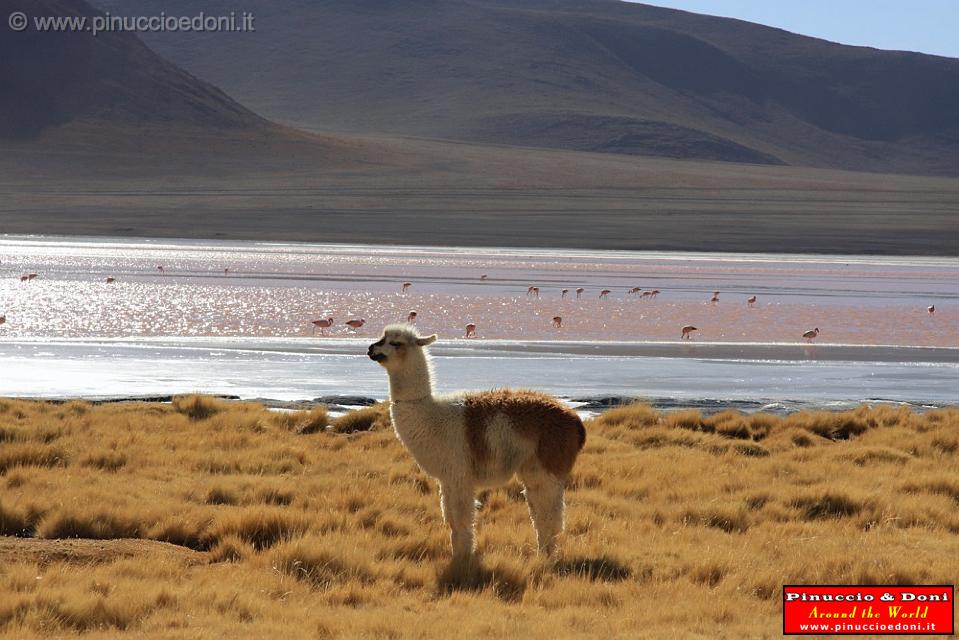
(398,345)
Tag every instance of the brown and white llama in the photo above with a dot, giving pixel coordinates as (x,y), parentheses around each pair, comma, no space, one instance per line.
(473,441)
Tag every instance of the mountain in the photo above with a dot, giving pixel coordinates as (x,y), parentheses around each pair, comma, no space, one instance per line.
(595,75)
(52,79)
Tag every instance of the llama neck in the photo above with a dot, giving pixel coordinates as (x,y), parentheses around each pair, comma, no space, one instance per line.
(412,382)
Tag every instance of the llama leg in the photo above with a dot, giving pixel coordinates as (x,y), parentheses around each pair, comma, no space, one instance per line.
(458,510)
(544,496)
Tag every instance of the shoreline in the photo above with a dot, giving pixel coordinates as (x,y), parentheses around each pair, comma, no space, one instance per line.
(458,347)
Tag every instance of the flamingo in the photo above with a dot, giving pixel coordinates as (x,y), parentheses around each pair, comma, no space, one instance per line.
(31,276)
(411,319)
(564,292)
(483,277)
(323,325)
(558,322)
(646,294)
(931,309)
(111,280)
(355,324)
(159,267)
(751,300)
(715,297)
(654,293)
(604,293)
(688,331)
(471,330)
(24,278)
(810,335)
(227,271)
(407,285)
(579,291)
(533,291)
(634,290)
(3,319)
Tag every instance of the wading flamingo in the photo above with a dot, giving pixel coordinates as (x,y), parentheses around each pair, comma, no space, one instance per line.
(407,285)
(411,319)
(483,277)
(715,298)
(931,309)
(654,293)
(688,332)
(322,325)
(471,330)
(604,293)
(646,294)
(810,335)
(355,324)
(533,291)
(558,322)
(24,278)
(751,300)
(563,293)
(31,276)
(159,267)
(634,290)
(111,280)
(579,291)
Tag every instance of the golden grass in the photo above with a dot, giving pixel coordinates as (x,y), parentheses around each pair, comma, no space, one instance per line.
(678,525)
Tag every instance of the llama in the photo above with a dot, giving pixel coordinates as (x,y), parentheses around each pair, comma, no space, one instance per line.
(479,440)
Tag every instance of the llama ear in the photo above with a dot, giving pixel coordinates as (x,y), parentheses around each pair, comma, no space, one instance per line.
(427,340)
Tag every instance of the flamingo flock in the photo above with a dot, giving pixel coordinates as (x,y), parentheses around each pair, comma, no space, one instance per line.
(533,291)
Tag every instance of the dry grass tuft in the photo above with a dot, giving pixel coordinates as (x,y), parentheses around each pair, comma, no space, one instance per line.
(600,568)
(261,527)
(375,418)
(501,581)
(31,455)
(316,420)
(197,407)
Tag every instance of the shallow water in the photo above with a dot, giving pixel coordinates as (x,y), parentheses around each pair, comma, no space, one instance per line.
(234,318)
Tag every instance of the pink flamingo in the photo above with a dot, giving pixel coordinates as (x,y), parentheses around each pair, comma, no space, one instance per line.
(411,319)
(654,293)
(355,324)
(688,332)
(715,297)
(323,325)
(111,280)
(634,290)
(563,293)
(579,291)
(533,291)
(810,335)
(24,278)
(751,300)
(471,330)
(558,322)
(483,277)
(931,309)
(407,285)
(227,271)
(646,294)
(604,293)
(159,267)
(31,276)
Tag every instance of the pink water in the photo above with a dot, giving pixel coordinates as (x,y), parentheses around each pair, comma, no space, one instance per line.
(276,290)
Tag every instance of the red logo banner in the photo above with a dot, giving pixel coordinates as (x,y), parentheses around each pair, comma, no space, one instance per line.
(869,610)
